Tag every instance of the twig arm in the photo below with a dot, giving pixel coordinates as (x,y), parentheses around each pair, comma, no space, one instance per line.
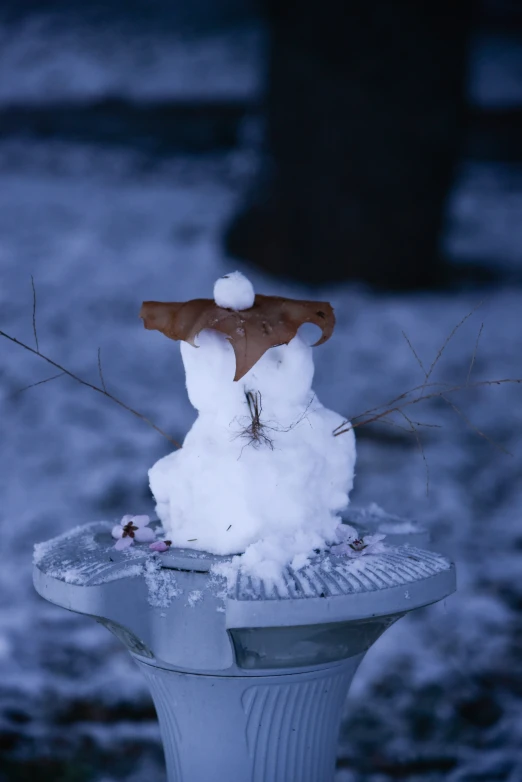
(85,383)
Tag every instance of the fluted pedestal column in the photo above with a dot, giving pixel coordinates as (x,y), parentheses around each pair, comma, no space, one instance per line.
(250,729)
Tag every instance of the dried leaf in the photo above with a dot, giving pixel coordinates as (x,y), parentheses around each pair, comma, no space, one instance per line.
(271,321)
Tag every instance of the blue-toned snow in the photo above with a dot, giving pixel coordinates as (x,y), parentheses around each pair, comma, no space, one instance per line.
(102,229)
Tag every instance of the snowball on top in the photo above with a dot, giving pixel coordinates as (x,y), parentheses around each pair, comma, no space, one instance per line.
(234,292)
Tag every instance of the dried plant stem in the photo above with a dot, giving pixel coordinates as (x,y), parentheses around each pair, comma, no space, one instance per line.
(444,345)
(34,315)
(472,363)
(392,407)
(101,372)
(102,391)
(255,431)
(39,383)
(419,360)
(390,404)
(389,422)
(439,390)
(414,430)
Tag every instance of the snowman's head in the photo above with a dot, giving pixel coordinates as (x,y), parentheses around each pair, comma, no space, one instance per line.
(283,375)
(239,342)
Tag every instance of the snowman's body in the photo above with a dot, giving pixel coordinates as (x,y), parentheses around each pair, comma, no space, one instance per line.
(275,497)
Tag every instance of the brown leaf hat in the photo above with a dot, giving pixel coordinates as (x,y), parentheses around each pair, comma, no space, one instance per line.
(271,321)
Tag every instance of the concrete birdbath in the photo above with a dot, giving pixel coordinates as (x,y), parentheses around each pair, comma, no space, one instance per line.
(249,605)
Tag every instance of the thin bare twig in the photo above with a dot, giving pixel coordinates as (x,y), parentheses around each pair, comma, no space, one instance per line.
(39,383)
(391,403)
(295,423)
(395,425)
(474,353)
(448,340)
(420,446)
(399,408)
(100,371)
(427,426)
(397,405)
(34,314)
(413,425)
(406,428)
(435,395)
(419,360)
(83,382)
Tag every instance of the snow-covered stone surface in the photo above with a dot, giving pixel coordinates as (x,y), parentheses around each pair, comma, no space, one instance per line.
(439,696)
(398,577)
(328,576)
(86,556)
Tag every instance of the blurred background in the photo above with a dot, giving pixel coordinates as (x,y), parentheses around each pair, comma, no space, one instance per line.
(365,153)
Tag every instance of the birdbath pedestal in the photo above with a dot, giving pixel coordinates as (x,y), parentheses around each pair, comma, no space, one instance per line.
(248,679)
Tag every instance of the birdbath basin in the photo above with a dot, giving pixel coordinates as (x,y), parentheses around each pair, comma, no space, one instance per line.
(248,679)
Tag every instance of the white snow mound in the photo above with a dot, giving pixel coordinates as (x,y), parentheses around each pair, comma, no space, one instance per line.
(274,498)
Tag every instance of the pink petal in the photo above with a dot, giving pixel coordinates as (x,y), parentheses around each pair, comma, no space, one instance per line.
(117,531)
(159,545)
(123,543)
(144,535)
(125,519)
(140,521)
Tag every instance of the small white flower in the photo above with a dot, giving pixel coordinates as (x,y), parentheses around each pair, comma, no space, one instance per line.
(130,529)
(357,547)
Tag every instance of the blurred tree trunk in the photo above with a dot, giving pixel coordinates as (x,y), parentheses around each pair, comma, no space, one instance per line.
(365,111)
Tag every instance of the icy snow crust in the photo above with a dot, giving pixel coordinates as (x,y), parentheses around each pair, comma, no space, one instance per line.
(274,500)
(330,576)
(86,557)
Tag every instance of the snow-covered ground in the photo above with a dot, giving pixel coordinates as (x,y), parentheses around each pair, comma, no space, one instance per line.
(42,58)
(439,697)
(46,57)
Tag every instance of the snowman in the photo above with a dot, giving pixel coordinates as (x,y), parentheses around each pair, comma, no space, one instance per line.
(260,474)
